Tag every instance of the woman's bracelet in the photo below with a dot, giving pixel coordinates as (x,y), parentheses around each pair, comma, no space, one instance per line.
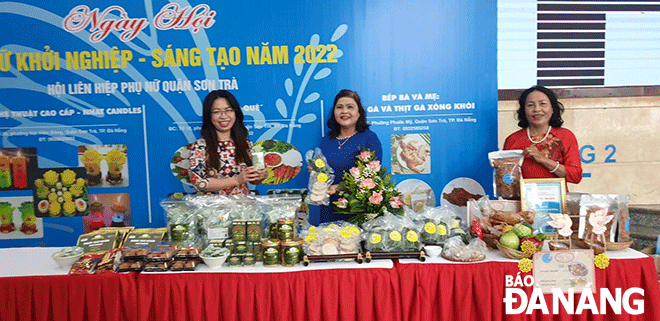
(555,169)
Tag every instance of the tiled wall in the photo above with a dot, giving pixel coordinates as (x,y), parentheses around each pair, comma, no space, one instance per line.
(624,129)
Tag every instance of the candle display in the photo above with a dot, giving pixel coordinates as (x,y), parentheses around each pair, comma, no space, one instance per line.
(5,171)
(91,159)
(19,167)
(6,217)
(29,225)
(116,160)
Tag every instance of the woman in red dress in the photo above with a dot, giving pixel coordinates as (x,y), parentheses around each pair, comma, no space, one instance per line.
(550,150)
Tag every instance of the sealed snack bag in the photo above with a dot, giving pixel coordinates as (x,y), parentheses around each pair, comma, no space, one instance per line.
(319,183)
(598,213)
(506,173)
(321,177)
(317,162)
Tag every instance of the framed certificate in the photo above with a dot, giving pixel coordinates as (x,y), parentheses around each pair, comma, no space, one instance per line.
(543,197)
(547,195)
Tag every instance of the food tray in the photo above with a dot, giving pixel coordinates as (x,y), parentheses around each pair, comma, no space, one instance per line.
(326,258)
(420,255)
(512,254)
(598,246)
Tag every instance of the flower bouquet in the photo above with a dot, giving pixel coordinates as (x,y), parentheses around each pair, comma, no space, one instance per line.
(367,191)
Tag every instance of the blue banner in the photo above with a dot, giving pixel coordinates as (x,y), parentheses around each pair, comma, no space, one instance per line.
(118,89)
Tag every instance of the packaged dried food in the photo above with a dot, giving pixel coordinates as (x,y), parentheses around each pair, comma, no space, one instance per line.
(319,183)
(130,266)
(190,251)
(623,232)
(157,266)
(109,261)
(598,213)
(162,253)
(184,264)
(506,173)
(135,253)
(86,264)
(455,249)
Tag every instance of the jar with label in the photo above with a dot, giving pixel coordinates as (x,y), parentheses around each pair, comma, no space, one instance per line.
(285,229)
(256,250)
(230,245)
(235,260)
(272,231)
(240,247)
(248,260)
(253,230)
(238,230)
(271,252)
(291,252)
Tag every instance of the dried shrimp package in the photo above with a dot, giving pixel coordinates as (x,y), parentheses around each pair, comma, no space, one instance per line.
(598,213)
(623,233)
(506,173)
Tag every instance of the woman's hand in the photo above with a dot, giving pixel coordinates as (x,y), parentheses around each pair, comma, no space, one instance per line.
(247,174)
(261,175)
(534,153)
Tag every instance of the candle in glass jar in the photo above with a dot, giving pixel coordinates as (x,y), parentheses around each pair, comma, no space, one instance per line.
(19,166)
(5,171)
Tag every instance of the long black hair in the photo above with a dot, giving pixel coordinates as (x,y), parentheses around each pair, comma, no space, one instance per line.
(361,124)
(557,107)
(239,132)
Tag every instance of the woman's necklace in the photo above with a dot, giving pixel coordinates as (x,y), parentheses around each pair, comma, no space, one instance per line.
(534,141)
(341,143)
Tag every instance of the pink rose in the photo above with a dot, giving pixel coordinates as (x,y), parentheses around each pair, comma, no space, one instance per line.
(364,156)
(376,197)
(342,203)
(374,165)
(395,202)
(355,172)
(368,183)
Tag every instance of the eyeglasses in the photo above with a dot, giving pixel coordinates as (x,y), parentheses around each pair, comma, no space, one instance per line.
(225,112)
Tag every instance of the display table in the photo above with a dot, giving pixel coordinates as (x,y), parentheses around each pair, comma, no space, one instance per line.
(442,290)
(33,288)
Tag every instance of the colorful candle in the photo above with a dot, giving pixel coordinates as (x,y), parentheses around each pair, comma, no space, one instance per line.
(5,171)
(19,166)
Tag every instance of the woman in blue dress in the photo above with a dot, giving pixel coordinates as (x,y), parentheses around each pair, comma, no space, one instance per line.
(349,135)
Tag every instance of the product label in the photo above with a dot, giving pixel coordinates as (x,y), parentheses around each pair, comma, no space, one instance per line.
(412,236)
(442,230)
(395,236)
